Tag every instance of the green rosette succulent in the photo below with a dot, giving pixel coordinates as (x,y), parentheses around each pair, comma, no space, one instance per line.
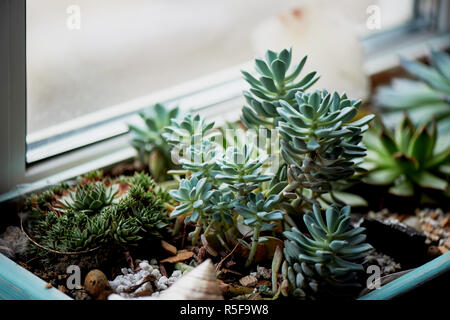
(273,83)
(406,159)
(258,214)
(193,195)
(190,130)
(89,198)
(320,142)
(202,160)
(330,257)
(193,140)
(241,171)
(148,139)
(424,99)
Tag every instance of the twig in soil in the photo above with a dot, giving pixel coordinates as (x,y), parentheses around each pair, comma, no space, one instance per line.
(226,257)
(163,270)
(129,259)
(52,250)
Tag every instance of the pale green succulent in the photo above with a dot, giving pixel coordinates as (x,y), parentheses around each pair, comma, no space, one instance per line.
(193,195)
(406,159)
(240,171)
(258,214)
(194,141)
(149,142)
(188,131)
(202,160)
(274,82)
(320,142)
(330,257)
(424,99)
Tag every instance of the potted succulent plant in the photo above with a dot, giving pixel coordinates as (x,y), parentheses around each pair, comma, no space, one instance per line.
(277,212)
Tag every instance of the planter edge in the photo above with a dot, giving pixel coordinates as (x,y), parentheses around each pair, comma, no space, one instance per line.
(412,279)
(17,283)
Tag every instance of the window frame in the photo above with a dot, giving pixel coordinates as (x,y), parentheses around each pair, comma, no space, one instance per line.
(18,178)
(13,100)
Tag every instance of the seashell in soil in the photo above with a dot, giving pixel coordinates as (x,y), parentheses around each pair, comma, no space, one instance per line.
(198,284)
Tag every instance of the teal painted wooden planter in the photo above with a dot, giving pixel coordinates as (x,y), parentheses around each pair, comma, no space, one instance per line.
(411,280)
(16,283)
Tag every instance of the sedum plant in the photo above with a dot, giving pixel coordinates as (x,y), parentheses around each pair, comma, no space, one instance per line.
(258,214)
(330,257)
(135,216)
(406,159)
(273,82)
(320,142)
(425,98)
(149,142)
(193,195)
(240,171)
(192,138)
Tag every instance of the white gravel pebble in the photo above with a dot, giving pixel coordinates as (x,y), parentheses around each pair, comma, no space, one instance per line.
(129,278)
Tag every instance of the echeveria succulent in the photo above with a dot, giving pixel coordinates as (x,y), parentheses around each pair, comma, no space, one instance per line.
(406,159)
(424,99)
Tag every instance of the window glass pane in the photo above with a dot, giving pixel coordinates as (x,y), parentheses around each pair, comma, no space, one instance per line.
(87,55)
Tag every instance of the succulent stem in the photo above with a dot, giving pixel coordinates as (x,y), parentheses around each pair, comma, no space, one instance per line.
(255,241)
(196,234)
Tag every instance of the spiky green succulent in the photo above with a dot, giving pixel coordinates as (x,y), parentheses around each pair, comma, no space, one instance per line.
(89,198)
(273,83)
(138,215)
(425,98)
(241,171)
(320,142)
(148,138)
(258,213)
(330,257)
(406,159)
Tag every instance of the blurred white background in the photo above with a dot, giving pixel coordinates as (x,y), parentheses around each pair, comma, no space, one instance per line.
(130,48)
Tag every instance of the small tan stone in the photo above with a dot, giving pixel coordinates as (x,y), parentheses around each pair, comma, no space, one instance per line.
(97,285)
